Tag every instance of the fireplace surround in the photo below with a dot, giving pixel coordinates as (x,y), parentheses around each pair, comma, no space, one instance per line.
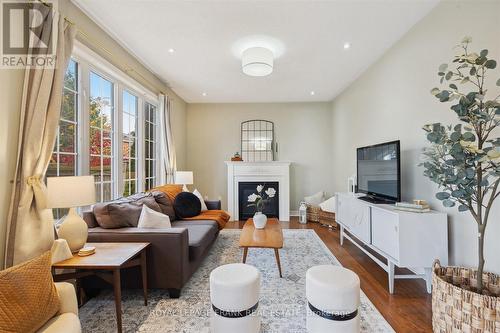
(258,172)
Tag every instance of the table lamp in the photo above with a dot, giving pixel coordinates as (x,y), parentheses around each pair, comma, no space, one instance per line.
(184,178)
(71,192)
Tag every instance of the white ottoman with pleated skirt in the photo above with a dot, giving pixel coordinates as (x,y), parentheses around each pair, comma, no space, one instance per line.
(333,300)
(234,293)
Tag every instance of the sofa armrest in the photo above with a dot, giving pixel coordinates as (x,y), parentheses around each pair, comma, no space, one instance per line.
(213,204)
(167,255)
(67,298)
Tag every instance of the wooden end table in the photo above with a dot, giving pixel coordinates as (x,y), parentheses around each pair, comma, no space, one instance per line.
(108,257)
(271,237)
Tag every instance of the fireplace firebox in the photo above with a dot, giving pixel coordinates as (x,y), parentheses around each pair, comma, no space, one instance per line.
(246,189)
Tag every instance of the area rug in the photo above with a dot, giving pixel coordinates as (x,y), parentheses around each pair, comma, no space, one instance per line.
(282,301)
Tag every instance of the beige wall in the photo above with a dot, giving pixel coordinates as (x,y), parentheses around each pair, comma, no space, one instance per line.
(302,131)
(392,101)
(11,82)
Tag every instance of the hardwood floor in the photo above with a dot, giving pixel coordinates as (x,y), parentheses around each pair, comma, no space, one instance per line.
(407,310)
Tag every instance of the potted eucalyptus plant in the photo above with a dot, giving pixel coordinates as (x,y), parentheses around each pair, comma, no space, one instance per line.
(464,160)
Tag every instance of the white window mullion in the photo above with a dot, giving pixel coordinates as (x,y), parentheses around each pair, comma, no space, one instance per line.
(119,139)
(158,148)
(84,128)
(140,155)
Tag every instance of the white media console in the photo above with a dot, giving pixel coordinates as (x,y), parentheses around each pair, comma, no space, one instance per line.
(404,239)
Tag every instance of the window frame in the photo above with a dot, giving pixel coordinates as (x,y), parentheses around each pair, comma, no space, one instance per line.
(157,144)
(88,61)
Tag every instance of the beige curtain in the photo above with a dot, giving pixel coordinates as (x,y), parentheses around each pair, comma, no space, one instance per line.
(168,149)
(30,226)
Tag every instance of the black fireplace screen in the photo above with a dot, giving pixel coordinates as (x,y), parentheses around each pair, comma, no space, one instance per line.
(245,189)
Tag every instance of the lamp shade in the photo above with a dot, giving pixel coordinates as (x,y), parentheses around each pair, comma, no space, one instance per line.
(257,61)
(67,192)
(184,177)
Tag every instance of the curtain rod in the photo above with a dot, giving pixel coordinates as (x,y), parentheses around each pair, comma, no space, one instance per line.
(127,68)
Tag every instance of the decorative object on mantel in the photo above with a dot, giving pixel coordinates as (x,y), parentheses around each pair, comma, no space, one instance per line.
(236,157)
(71,192)
(257,140)
(259,201)
(463,161)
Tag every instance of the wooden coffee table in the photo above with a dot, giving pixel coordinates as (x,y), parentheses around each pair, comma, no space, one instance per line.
(271,237)
(108,257)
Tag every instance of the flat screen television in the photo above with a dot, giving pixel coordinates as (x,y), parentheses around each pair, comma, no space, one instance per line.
(379,172)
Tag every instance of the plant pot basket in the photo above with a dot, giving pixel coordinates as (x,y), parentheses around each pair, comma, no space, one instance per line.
(455,308)
(312,213)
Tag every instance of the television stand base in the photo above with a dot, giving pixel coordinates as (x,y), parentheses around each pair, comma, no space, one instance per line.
(375,200)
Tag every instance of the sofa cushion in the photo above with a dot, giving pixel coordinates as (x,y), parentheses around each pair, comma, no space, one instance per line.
(187,204)
(200,237)
(28,296)
(166,204)
(123,212)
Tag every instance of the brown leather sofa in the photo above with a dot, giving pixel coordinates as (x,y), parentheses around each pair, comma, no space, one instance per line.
(173,256)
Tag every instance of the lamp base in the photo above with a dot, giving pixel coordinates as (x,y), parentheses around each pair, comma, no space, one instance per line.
(74,230)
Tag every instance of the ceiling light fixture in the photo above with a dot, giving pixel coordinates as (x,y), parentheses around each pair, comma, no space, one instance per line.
(312,93)
(347,45)
(257,61)
(171,50)
(204,94)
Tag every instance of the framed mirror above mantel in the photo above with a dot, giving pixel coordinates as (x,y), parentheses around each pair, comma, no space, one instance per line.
(258,141)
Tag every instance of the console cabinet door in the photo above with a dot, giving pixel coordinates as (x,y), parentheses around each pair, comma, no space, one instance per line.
(385,232)
(355,216)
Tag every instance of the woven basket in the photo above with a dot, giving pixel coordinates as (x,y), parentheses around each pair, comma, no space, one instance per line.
(312,213)
(327,218)
(457,309)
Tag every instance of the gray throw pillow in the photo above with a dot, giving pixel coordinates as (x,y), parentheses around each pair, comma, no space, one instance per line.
(166,204)
(123,212)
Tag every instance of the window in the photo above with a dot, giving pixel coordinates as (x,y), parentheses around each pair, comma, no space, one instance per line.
(101,116)
(110,134)
(129,144)
(64,160)
(150,146)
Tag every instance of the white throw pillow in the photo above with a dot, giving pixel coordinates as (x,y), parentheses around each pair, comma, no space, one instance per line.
(315,199)
(203,204)
(151,219)
(328,205)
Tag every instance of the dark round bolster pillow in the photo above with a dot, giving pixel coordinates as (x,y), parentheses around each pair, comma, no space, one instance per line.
(186,204)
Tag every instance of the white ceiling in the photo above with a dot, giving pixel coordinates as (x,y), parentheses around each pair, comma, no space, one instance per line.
(205,33)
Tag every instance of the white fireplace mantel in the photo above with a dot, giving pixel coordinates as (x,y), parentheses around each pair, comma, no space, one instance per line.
(276,171)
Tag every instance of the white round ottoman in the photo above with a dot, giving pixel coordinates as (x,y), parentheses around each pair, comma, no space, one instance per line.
(234,293)
(333,299)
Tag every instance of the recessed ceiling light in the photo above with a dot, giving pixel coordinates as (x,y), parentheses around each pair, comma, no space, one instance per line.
(347,45)
(171,50)
(204,94)
(312,93)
